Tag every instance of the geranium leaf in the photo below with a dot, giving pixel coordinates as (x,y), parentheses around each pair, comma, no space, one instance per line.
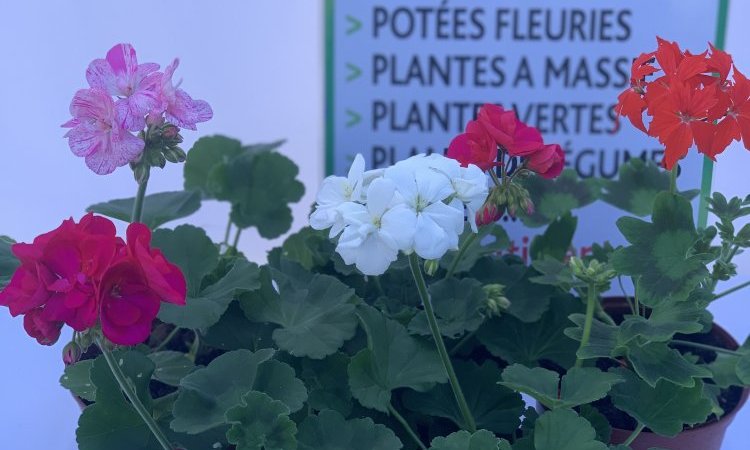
(458,305)
(665,320)
(743,369)
(597,420)
(77,379)
(206,154)
(111,422)
(494,407)
(580,385)
(463,440)
(330,431)
(563,429)
(208,393)
(171,367)
(556,239)
(206,308)
(660,252)
(315,318)
(261,422)
(528,343)
(8,262)
(323,379)
(309,248)
(557,197)
(724,370)
(234,331)
(603,341)
(158,209)
(393,359)
(490,240)
(655,361)
(665,408)
(637,186)
(191,249)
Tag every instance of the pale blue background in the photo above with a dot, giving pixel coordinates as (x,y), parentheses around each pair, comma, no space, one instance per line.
(259,64)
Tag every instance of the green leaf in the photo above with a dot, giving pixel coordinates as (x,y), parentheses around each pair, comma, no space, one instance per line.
(743,369)
(315,318)
(489,240)
(191,249)
(393,359)
(207,154)
(207,307)
(171,367)
(329,431)
(309,248)
(603,341)
(463,440)
(666,320)
(323,379)
(637,186)
(246,179)
(579,386)
(665,408)
(261,422)
(494,407)
(598,421)
(234,331)
(458,306)
(111,422)
(77,379)
(556,239)
(724,370)
(158,209)
(660,254)
(8,261)
(655,361)
(563,429)
(528,343)
(208,393)
(557,197)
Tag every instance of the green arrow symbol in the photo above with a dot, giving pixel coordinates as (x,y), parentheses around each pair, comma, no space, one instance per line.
(354,118)
(354,72)
(356,24)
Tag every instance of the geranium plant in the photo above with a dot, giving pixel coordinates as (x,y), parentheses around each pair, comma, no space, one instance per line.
(399,318)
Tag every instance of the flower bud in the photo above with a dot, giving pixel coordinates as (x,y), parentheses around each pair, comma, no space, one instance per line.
(174,154)
(596,273)
(156,159)
(497,302)
(431,266)
(487,214)
(71,353)
(170,132)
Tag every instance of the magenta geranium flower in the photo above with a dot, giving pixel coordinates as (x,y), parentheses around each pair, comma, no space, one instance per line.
(97,132)
(179,108)
(136,85)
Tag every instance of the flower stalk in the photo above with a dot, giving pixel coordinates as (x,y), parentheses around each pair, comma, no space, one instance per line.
(126,387)
(591,302)
(139,196)
(461,252)
(469,423)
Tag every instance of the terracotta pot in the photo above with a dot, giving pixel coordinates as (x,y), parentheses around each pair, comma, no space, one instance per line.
(707,436)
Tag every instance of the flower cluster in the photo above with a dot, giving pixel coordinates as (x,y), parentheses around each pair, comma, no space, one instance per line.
(690,98)
(123,98)
(81,274)
(416,205)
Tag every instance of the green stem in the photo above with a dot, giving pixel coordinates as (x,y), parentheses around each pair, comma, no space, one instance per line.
(495,180)
(194,347)
(166,340)
(635,434)
(406,426)
(726,351)
(138,204)
(225,242)
(461,251)
(627,297)
(732,290)
(416,272)
(127,389)
(590,308)
(673,179)
(603,316)
(237,238)
(462,342)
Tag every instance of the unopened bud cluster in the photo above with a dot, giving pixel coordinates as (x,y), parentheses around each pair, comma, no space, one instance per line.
(594,273)
(497,302)
(507,197)
(162,146)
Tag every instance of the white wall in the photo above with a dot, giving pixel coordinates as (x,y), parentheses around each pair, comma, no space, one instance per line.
(259,64)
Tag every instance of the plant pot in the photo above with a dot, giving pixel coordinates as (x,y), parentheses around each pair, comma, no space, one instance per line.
(706,436)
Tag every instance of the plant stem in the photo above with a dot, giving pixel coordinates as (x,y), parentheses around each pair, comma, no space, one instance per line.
(635,434)
(194,347)
(416,272)
(495,180)
(726,351)
(237,238)
(627,297)
(590,308)
(462,342)
(459,256)
(734,289)
(166,340)
(673,179)
(132,396)
(138,204)
(406,426)
(603,316)
(225,242)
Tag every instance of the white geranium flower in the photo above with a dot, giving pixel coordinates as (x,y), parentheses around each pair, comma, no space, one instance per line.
(375,232)
(424,190)
(334,192)
(470,186)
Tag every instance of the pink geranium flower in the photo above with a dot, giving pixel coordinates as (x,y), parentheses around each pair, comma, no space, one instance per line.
(97,132)
(475,146)
(179,108)
(136,85)
(548,161)
(510,133)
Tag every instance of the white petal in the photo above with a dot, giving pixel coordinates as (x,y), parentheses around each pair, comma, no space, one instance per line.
(399,224)
(430,240)
(374,257)
(332,191)
(448,217)
(379,196)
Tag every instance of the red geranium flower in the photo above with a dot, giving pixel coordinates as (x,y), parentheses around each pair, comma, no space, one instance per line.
(475,146)
(517,138)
